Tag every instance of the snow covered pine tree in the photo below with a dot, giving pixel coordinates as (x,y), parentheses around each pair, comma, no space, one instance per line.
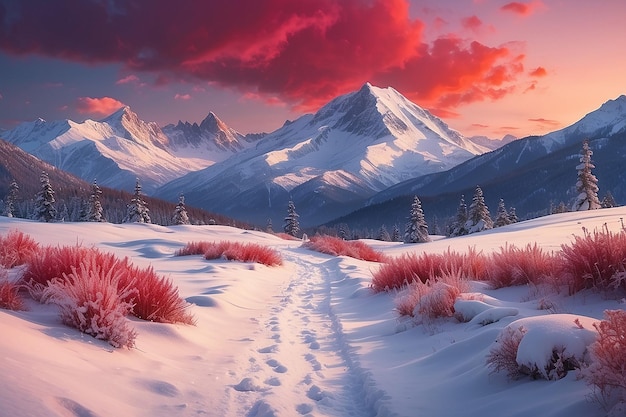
(478,217)
(11,199)
(180,212)
(137,209)
(95,213)
(587,184)
(416,228)
(458,227)
(44,201)
(292,225)
(502,217)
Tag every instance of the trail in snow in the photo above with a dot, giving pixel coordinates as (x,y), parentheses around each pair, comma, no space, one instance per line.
(299,363)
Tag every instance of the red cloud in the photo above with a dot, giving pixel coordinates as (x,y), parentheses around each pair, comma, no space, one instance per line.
(472,23)
(539,72)
(97,106)
(546,122)
(182,97)
(522,9)
(302,52)
(128,79)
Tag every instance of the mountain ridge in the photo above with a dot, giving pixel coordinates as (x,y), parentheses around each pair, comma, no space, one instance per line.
(361,142)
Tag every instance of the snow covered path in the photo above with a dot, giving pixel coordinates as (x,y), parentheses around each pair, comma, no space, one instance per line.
(299,362)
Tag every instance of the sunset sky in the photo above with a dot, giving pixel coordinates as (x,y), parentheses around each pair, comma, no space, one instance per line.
(486,67)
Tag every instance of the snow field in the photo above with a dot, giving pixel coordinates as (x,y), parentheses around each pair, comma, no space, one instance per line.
(305,338)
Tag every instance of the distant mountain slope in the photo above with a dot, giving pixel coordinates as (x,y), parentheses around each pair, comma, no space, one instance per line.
(121,147)
(530,173)
(329,163)
(25,169)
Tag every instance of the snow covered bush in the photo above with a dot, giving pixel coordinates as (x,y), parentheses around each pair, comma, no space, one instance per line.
(92,300)
(335,246)
(243,252)
(547,346)
(9,293)
(503,354)
(16,248)
(514,266)
(596,260)
(607,371)
(155,298)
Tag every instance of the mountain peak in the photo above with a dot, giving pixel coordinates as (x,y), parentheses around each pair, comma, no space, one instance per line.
(213,124)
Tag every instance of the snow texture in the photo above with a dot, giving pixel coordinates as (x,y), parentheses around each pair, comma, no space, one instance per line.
(305,338)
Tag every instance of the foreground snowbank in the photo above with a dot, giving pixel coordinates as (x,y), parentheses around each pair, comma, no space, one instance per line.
(305,338)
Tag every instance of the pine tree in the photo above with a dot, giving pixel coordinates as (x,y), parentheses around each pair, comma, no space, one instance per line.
(383,234)
(137,210)
(395,234)
(11,199)
(269,228)
(416,230)
(94,207)
(478,217)
(608,201)
(292,225)
(502,217)
(180,212)
(343,231)
(587,184)
(512,215)
(458,226)
(44,201)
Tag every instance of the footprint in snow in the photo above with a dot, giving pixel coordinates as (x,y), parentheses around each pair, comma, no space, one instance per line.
(277,366)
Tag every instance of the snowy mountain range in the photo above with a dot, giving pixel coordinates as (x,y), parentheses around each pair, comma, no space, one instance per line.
(329,162)
(122,147)
(530,174)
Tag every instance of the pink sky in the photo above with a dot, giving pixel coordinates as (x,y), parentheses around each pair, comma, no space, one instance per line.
(486,67)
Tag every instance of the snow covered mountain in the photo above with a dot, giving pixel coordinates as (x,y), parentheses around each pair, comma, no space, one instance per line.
(530,174)
(121,147)
(330,162)
(211,140)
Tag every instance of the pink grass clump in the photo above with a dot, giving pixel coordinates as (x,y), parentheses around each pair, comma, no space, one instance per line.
(57,262)
(91,299)
(154,298)
(595,261)
(194,248)
(434,298)
(513,266)
(607,371)
(408,268)
(243,252)
(335,246)
(16,248)
(10,298)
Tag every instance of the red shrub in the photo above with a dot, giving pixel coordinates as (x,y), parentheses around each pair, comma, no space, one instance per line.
(243,252)
(93,301)
(513,266)
(596,260)
(16,248)
(194,248)
(433,299)
(607,371)
(9,293)
(335,246)
(154,297)
(503,355)
(56,262)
